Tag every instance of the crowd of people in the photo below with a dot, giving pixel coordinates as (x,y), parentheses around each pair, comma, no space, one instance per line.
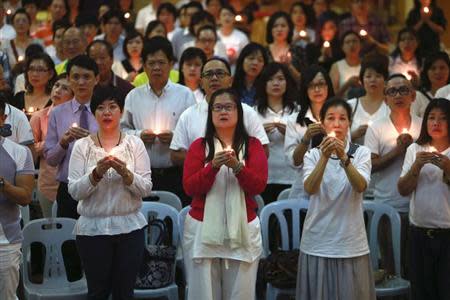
(100,104)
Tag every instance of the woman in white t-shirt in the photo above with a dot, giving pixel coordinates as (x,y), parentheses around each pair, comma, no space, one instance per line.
(233,39)
(435,75)
(304,130)
(275,103)
(370,107)
(426,178)
(334,258)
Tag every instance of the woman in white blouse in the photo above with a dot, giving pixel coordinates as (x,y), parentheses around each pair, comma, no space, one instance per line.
(304,130)
(334,258)
(426,178)
(371,106)
(275,102)
(109,174)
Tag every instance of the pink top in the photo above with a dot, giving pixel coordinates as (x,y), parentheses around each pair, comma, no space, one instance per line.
(47,183)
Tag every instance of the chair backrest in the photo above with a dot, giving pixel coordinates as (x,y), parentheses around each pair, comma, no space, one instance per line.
(374,212)
(284,195)
(277,209)
(54,209)
(162,211)
(168,198)
(52,235)
(260,201)
(25,214)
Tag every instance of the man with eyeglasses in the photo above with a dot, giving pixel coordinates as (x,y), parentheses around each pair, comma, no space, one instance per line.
(388,138)
(152,111)
(216,74)
(74,43)
(113,22)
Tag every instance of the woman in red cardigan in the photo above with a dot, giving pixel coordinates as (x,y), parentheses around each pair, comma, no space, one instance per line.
(222,173)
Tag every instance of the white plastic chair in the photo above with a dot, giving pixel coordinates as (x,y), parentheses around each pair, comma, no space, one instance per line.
(55,284)
(181,218)
(284,195)
(54,209)
(260,201)
(277,209)
(161,211)
(165,197)
(25,214)
(391,286)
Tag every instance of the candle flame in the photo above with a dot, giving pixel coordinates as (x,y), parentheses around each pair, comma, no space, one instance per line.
(31,109)
(302,33)
(156,131)
(326,44)
(362,32)
(404,131)
(127,15)
(426,9)
(238,18)
(276,120)
(74,124)
(332,134)
(433,149)
(8,12)
(20,58)
(370,123)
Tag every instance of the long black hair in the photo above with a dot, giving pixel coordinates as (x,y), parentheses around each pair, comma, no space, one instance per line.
(418,52)
(273,18)
(308,76)
(239,74)
(429,61)
(438,103)
(261,95)
(241,137)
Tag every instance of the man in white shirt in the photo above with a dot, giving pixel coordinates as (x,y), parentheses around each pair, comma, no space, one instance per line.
(7,32)
(152,111)
(216,74)
(16,186)
(146,15)
(388,138)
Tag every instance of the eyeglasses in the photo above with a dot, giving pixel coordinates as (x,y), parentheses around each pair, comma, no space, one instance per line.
(218,73)
(111,108)
(221,107)
(318,85)
(37,70)
(392,92)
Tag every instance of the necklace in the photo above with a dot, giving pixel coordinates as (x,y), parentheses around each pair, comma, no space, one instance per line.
(118,142)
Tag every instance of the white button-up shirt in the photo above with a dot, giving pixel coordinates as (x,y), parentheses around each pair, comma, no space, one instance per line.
(145,110)
(192,125)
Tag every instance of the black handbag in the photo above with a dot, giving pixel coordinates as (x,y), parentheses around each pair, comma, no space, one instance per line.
(158,263)
(280,268)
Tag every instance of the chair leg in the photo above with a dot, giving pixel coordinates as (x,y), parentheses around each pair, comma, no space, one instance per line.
(173,294)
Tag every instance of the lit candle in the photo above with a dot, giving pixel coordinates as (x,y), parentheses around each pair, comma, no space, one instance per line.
(332,134)
(303,33)
(289,55)
(362,32)
(238,18)
(405,131)
(432,149)
(156,131)
(20,58)
(370,123)
(326,44)
(8,12)
(30,109)
(408,76)
(74,124)
(127,15)
(276,120)
(426,9)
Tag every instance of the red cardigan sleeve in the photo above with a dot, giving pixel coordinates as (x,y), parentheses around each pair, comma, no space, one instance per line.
(197,178)
(253,177)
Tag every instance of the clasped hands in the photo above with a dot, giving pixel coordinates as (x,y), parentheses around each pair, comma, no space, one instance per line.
(330,145)
(72,134)
(148,136)
(269,127)
(225,157)
(104,164)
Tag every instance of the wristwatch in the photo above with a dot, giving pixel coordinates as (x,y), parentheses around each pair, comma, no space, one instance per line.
(345,163)
(2,183)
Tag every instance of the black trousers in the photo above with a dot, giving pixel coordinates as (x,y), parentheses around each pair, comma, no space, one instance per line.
(67,206)
(171,180)
(111,263)
(430,264)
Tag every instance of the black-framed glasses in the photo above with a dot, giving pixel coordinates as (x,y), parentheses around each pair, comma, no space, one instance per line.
(218,73)
(226,107)
(392,92)
(318,85)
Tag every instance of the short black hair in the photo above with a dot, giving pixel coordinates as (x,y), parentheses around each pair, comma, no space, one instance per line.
(113,13)
(199,17)
(132,34)
(334,102)
(108,46)
(189,54)
(82,61)
(169,7)
(207,27)
(86,19)
(21,11)
(428,63)
(151,26)
(102,94)
(437,103)
(193,4)
(228,7)
(155,44)
(377,62)
(273,18)
(63,23)
(346,33)
(222,60)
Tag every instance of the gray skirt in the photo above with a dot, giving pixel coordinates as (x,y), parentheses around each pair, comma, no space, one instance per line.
(322,278)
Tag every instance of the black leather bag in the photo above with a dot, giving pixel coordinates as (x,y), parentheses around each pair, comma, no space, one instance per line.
(280,268)
(158,263)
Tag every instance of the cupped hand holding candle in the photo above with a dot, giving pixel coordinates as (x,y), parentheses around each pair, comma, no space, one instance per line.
(426,9)
(74,124)
(363,33)
(332,134)
(238,18)
(303,33)
(326,44)
(404,131)
(165,136)
(127,15)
